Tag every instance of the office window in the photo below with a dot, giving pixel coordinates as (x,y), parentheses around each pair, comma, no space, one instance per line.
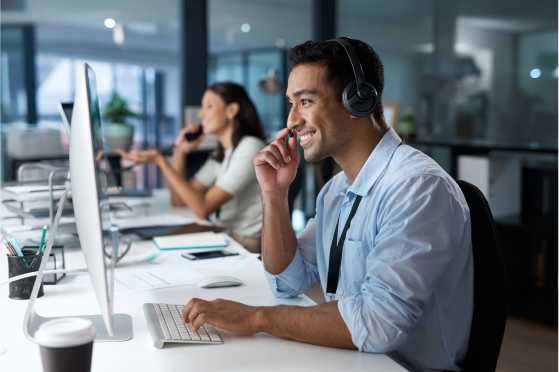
(466,69)
(13,92)
(248,41)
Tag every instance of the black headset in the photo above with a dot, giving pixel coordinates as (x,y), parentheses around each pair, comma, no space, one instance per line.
(359,97)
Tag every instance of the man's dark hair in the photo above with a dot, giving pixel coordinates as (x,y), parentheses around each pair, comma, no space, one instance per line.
(340,73)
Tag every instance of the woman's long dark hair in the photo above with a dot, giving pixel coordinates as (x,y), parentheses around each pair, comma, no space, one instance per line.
(246,122)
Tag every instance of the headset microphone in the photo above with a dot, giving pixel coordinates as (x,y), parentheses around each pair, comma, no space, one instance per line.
(359,97)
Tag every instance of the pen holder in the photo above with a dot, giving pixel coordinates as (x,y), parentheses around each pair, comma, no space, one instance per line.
(30,262)
(56,261)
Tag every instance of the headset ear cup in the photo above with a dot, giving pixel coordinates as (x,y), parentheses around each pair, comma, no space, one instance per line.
(356,106)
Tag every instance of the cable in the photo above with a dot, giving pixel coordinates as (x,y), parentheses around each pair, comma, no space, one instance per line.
(23,276)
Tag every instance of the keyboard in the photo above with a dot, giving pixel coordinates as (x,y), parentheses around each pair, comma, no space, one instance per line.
(165,325)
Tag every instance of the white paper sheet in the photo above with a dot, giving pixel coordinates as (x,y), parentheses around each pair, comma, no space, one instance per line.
(157,277)
(207,239)
(32,188)
(157,220)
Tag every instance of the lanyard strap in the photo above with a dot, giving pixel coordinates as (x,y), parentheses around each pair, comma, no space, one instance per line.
(336,251)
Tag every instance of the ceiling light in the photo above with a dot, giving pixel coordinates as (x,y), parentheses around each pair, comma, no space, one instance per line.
(110,23)
(245,27)
(535,73)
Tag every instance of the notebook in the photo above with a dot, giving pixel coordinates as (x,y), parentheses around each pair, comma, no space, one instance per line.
(207,239)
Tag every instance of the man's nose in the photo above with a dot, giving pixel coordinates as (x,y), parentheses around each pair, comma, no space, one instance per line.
(294,119)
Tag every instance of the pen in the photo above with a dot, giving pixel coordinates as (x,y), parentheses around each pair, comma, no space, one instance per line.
(9,245)
(10,249)
(42,240)
(11,253)
(17,247)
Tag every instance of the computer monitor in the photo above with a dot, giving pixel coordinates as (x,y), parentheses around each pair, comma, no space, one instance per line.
(65,110)
(92,213)
(89,190)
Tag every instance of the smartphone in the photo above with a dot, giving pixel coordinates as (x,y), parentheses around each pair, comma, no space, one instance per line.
(192,136)
(204,255)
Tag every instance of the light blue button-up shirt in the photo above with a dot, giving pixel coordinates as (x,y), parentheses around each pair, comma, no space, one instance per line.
(406,279)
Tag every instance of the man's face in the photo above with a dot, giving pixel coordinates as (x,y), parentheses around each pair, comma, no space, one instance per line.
(316,113)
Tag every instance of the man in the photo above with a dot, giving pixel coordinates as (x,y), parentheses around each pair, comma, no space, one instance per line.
(405,285)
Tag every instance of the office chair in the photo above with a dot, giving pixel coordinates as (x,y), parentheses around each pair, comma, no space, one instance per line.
(490,292)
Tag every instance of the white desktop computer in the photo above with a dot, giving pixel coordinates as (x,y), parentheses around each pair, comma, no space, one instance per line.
(91,209)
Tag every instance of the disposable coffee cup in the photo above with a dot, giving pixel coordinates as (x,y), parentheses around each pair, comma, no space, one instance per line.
(66,344)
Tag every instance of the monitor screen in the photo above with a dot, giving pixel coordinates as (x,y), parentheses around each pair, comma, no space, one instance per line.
(65,110)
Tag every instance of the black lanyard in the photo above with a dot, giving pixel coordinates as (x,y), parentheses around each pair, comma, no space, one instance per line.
(336,251)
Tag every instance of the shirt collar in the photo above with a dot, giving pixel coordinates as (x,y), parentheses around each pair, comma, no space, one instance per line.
(374,166)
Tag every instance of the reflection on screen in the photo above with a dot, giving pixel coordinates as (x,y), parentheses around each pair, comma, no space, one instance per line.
(100,166)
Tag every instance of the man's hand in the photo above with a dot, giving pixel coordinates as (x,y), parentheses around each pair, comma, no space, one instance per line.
(276,166)
(148,156)
(305,324)
(228,315)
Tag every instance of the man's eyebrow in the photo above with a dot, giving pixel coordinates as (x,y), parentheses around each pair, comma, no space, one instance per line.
(301,92)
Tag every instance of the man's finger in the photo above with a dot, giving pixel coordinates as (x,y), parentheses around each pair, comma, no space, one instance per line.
(276,152)
(188,308)
(204,319)
(283,133)
(266,157)
(280,145)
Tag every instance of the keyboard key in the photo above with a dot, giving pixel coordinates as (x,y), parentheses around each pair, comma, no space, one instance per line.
(204,337)
(195,336)
(186,336)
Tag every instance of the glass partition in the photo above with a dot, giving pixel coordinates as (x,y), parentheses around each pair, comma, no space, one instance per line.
(13,92)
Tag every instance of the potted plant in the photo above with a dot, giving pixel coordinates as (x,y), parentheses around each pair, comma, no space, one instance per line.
(118,134)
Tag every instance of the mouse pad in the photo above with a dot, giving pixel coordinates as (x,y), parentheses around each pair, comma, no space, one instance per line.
(150,232)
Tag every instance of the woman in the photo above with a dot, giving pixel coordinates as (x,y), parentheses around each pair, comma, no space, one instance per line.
(226,183)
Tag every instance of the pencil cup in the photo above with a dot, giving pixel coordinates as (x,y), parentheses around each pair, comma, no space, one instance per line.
(66,344)
(30,262)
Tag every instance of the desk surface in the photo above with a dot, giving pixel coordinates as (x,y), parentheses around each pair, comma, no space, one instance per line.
(260,352)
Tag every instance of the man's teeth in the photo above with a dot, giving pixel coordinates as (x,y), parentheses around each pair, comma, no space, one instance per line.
(307,136)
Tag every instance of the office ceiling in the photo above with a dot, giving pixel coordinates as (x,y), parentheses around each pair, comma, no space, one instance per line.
(151,27)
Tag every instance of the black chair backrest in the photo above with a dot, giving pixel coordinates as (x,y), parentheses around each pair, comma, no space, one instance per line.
(490,292)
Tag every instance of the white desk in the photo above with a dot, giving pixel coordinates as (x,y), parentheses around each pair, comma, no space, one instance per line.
(260,352)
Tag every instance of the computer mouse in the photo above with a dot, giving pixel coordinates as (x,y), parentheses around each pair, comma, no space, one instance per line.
(219,281)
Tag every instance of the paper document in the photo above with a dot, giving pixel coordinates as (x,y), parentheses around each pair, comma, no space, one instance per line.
(157,220)
(160,277)
(34,188)
(207,239)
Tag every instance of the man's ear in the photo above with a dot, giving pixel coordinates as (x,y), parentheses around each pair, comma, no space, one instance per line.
(233,109)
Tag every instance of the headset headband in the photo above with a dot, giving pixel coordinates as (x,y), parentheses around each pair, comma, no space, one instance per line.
(362,91)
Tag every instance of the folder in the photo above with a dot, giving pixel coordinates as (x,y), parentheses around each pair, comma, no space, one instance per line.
(207,239)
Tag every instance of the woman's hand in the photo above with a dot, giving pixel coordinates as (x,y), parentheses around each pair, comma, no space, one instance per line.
(147,156)
(183,145)
(275,165)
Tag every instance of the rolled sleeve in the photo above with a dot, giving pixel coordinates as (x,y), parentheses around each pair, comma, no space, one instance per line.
(302,272)
(416,236)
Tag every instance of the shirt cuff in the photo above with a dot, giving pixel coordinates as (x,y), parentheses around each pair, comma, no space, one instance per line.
(287,284)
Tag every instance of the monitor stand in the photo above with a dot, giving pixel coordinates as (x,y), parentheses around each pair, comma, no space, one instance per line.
(122,323)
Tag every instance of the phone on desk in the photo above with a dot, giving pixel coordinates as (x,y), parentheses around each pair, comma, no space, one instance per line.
(210,254)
